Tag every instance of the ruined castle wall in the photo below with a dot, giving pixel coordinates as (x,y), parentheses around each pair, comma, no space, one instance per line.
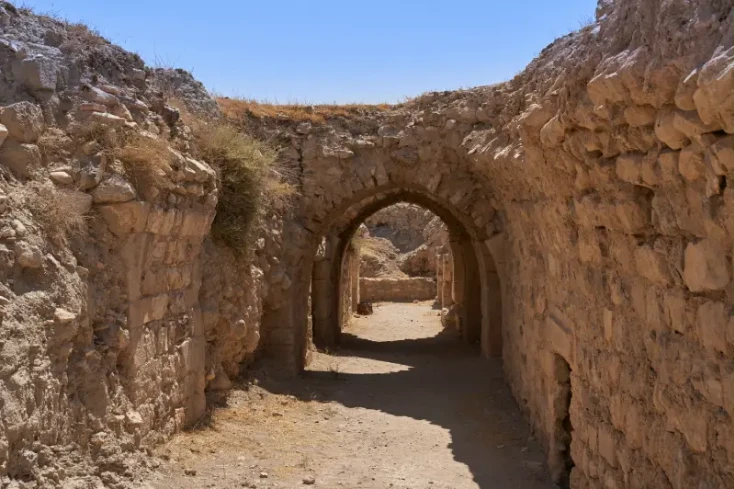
(599,182)
(118,314)
(617,257)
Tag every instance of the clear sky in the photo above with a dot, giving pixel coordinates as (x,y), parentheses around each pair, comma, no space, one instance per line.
(324,51)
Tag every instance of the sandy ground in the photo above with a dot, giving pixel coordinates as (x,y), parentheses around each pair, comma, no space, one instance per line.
(402,404)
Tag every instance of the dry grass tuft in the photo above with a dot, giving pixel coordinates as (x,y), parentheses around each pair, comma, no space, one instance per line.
(60,213)
(147,161)
(83,35)
(54,143)
(235,108)
(250,181)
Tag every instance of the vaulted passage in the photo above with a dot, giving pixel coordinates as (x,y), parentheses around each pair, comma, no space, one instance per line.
(474,293)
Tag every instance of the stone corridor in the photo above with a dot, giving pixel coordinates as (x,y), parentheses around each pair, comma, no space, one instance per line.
(402,404)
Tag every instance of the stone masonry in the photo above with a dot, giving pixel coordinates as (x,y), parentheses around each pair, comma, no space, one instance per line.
(588,203)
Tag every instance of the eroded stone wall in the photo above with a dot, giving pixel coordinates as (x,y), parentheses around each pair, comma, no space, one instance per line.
(109,340)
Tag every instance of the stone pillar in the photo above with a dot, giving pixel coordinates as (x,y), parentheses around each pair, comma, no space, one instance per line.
(160,251)
(439,281)
(323,299)
(447,265)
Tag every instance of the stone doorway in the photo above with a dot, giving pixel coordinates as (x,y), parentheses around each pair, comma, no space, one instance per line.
(473,295)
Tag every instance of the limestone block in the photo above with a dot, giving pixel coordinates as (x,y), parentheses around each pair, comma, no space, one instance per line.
(632,216)
(122,111)
(179,277)
(693,425)
(674,303)
(720,155)
(196,223)
(650,171)
(629,216)
(98,96)
(160,221)
(640,115)
(668,162)
(607,85)
(608,325)
(80,201)
(105,120)
(589,250)
(24,121)
(666,130)
(714,99)
(126,218)
(154,282)
(652,265)
(534,117)
(146,309)
(399,289)
(113,190)
(37,73)
(691,162)
(61,177)
(690,124)
(629,167)
(686,89)
(712,321)
(22,159)
(198,171)
(705,266)
(552,133)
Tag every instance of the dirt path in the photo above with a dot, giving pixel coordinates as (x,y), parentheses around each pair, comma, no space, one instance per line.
(403,404)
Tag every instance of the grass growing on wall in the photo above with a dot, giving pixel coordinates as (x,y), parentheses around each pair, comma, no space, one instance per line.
(250,182)
(236,108)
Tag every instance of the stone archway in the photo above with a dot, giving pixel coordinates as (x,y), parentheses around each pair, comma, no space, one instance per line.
(473,265)
(317,269)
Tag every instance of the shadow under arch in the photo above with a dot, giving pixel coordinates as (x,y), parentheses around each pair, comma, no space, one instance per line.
(476,286)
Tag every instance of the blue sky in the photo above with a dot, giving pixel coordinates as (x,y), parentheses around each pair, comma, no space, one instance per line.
(324,51)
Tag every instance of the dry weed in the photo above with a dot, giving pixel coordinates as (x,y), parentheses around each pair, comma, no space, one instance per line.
(60,213)
(147,161)
(235,108)
(250,183)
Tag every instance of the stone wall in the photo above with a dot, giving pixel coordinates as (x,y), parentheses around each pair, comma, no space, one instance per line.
(588,202)
(397,289)
(593,192)
(118,314)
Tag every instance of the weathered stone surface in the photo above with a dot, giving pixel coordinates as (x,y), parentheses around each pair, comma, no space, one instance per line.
(124,219)
(23,120)
(397,289)
(602,169)
(37,73)
(61,177)
(27,255)
(22,159)
(706,267)
(113,190)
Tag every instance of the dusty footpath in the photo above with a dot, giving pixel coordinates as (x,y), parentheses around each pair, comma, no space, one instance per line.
(402,404)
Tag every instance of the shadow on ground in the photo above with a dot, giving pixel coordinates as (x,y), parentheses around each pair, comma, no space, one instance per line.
(445,383)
